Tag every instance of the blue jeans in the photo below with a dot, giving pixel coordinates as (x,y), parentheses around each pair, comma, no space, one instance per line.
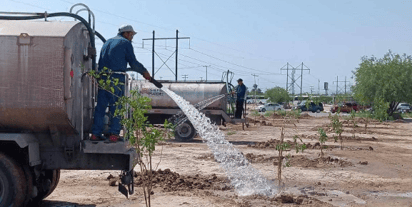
(104,99)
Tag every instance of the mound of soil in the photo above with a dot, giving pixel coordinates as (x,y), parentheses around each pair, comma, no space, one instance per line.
(301,161)
(373,139)
(276,116)
(305,116)
(252,158)
(208,157)
(269,144)
(325,147)
(172,181)
(325,127)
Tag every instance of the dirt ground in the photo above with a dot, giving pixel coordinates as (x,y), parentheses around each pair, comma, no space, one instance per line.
(374,168)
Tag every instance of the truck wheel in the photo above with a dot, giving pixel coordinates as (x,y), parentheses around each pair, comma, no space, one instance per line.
(49,183)
(12,182)
(263,110)
(185,132)
(318,111)
(29,181)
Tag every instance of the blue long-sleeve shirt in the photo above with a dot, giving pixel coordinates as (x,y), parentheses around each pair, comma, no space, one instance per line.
(116,53)
(240,91)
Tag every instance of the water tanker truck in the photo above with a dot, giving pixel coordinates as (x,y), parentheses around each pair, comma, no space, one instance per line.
(46,107)
(163,107)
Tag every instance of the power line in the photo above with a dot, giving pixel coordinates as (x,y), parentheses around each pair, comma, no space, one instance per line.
(231,62)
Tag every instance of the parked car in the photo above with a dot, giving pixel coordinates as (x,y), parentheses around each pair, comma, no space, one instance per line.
(299,105)
(262,101)
(250,101)
(286,105)
(269,107)
(312,107)
(344,107)
(403,107)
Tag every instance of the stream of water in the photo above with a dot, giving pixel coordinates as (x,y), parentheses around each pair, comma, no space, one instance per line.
(245,179)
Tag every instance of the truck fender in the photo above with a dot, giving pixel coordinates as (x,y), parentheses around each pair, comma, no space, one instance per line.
(23,141)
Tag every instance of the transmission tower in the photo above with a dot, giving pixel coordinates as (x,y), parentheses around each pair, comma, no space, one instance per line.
(337,84)
(291,86)
(164,61)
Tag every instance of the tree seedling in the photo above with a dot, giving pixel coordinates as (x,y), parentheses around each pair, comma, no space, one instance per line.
(142,135)
(337,128)
(282,146)
(322,139)
(353,122)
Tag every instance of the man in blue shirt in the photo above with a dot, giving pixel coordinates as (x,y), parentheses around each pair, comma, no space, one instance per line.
(116,53)
(240,91)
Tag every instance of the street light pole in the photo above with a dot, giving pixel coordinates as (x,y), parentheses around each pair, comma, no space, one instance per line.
(206,70)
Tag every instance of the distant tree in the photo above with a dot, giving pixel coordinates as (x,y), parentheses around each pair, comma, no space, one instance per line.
(258,91)
(255,87)
(388,79)
(277,95)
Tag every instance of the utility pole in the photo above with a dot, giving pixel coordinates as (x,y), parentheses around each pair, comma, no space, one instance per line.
(206,70)
(185,77)
(177,42)
(318,87)
(301,78)
(201,79)
(254,77)
(337,85)
(311,89)
(287,77)
(177,38)
(345,84)
(153,54)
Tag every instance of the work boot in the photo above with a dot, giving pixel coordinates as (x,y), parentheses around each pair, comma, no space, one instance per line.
(96,138)
(115,138)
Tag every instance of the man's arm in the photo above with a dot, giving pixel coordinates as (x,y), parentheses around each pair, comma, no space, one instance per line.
(135,65)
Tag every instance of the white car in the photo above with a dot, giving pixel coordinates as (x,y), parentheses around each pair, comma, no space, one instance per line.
(403,107)
(269,107)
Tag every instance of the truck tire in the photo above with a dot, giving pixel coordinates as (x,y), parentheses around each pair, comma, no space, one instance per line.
(185,132)
(51,179)
(29,181)
(12,183)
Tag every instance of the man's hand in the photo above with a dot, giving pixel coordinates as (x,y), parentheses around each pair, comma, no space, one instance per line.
(233,92)
(146,75)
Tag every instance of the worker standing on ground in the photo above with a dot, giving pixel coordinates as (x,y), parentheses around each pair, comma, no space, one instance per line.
(240,91)
(116,53)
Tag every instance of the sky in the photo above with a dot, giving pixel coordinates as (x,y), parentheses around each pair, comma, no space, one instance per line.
(252,37)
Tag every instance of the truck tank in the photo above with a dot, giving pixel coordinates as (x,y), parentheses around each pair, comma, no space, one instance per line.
(193,92)
(163,107)
(41,64)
